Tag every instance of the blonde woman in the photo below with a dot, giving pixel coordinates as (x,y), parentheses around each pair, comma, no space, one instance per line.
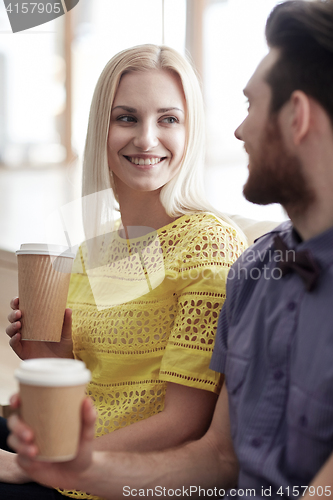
(146,291)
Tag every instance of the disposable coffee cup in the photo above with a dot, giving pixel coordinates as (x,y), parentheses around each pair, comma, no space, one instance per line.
(52,391)
(43,280)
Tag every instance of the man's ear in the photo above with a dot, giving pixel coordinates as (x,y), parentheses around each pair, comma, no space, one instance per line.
(300,111)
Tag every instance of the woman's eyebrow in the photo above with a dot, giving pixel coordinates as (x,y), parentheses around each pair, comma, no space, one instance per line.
(126,108)
(134,110)
(165,110)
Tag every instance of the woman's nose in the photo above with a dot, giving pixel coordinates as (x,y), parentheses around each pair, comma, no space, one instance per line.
(146,137)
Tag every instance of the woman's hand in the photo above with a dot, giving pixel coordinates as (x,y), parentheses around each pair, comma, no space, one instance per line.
(26,349)
(66,475)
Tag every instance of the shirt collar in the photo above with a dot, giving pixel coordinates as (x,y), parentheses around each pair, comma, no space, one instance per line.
(321,246)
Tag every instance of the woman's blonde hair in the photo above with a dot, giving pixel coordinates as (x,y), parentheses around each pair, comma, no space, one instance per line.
(184,193)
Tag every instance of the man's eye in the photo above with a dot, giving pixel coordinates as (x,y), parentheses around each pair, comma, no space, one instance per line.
(170,119)
(126,118)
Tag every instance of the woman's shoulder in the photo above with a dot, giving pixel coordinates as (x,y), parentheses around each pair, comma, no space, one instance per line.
(205,236)
(206,225)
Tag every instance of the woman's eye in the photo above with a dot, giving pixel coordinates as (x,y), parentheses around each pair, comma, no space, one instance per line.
(170,119)
(126,118)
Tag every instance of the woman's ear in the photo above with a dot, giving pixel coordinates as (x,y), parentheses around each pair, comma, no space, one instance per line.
(300,110)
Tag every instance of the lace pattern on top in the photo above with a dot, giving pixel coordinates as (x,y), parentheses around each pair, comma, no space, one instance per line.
(166,334)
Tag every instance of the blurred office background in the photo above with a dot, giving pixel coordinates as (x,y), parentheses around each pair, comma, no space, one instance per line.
(47,78)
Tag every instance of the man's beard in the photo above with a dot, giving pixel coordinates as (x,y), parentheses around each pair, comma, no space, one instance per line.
(275,175)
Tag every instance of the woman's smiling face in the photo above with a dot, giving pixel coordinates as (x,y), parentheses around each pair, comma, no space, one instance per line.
(147,133)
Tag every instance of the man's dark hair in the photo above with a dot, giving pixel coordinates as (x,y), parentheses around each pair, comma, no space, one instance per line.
(303,32)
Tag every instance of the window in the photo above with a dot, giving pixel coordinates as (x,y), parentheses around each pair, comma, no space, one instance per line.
(32,93)
(234,43)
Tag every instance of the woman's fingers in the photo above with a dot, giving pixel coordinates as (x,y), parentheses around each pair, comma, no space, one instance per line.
(67,325)
(14,315)
(13,328)
(14,303)
(14,319)
(15,344)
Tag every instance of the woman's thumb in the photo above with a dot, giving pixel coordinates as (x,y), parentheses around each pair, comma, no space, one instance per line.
(67,325)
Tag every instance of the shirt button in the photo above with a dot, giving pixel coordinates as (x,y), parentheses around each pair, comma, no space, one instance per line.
(278,374)
(291,306)
(256,442)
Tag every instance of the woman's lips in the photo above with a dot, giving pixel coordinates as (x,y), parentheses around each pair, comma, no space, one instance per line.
(144,162)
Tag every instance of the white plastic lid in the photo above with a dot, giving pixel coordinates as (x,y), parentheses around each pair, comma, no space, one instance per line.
(44,249)
(53,372)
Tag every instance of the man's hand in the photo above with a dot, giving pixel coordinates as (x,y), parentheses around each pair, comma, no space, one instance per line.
(208,462)
(53,474)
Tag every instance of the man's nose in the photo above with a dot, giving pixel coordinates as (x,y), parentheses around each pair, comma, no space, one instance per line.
(146,137)
(238,132)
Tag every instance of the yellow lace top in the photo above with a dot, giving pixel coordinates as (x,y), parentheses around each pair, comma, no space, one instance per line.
(148,315)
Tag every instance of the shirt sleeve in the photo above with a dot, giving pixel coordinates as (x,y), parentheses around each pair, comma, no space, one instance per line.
(202,290)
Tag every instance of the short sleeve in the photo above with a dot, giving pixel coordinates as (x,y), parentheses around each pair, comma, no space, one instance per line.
(221,342)
(201,292)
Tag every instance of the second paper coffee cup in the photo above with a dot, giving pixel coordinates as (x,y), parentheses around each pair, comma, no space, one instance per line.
(43,280)
(52,391)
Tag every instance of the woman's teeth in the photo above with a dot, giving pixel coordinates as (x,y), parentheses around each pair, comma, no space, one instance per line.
(147,161)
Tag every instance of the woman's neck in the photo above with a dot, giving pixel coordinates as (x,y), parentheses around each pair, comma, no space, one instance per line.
(144,209)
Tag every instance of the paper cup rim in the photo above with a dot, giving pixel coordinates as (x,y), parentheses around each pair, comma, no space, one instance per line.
(45,249)
(53,372)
